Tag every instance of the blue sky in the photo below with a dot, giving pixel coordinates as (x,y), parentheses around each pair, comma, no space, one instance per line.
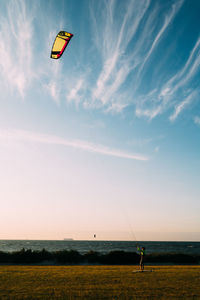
(106,139)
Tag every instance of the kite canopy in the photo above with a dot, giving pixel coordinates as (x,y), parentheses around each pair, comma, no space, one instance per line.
(61,41)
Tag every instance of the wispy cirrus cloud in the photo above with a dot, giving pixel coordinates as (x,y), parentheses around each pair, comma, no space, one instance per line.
(197,120)
(75,93)
(180,106)
(28,136)
(183,77)
(177,87)
(168,18)
(126,42)
(114,71)
(112,42)
(112,87)
(16,49)
(25,45)
(53,89)
(141,27)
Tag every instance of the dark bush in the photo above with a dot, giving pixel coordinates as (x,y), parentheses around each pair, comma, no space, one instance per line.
(92,257)
(68,257)
(174,258)
(120,258)
(30,256)
(74,257)
(4,257)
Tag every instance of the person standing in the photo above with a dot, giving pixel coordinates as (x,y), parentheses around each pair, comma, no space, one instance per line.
(142,255)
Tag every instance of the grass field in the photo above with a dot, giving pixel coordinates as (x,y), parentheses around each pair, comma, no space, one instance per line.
(99,282)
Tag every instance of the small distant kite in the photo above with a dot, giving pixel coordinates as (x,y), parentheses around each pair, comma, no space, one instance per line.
(94,235)
(61,41)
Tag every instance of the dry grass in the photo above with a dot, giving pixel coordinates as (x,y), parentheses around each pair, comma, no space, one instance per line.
(99,282)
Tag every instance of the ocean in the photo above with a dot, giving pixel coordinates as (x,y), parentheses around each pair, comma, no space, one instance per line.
(82,247)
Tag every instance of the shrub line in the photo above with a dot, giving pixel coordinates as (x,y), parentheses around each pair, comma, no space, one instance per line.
(73,257)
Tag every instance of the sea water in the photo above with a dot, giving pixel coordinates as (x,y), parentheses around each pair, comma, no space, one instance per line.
(101,246)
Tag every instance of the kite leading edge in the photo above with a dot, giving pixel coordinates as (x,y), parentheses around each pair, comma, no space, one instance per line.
(61,41)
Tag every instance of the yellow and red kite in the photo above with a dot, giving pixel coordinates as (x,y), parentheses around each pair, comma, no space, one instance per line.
(61,41)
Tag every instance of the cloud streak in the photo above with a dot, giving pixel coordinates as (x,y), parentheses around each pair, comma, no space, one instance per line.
(177,87)
(75,93)
(167,21)
(119,69)
(16,51)
(116,36)
(28,136)
(181,106)
(197,120)
(113,89)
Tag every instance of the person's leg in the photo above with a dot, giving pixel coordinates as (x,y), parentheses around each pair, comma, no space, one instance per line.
(141,263)
(143,266)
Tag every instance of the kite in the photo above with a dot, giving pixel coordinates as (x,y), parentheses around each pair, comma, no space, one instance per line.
(61,41)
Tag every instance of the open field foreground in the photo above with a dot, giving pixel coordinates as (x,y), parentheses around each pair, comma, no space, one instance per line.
(99,282)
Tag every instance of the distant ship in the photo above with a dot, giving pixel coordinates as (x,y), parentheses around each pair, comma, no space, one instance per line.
(68,239)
